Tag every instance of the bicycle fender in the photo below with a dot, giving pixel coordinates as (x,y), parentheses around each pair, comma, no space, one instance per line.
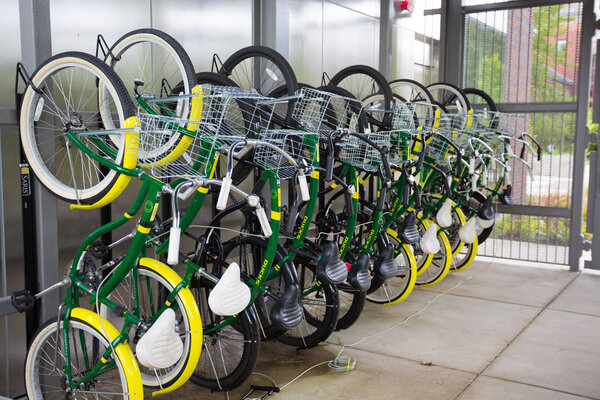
(132,370)
(132,140)
(194,317)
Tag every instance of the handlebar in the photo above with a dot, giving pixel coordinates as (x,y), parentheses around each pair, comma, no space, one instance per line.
(456,149)
(226,187)
(539,148)
(445,180)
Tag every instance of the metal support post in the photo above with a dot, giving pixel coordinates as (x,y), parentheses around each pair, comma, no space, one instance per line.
(581,134)
(39,211)
(271,22)
(451,41)
(593,212)
(386,24)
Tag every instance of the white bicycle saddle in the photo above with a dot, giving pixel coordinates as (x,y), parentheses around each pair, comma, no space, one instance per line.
(429,243)
(161,346)
(230,295)
(444,214)
(467,233)
(485,223)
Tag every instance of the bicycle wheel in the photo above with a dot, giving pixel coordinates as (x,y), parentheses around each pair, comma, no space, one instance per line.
(411,91)
(484,234)
(262,69)
(240,115)
(452,100)
(153,286)
(230,353)
(392,291)
(69,101)
(249,252)
(352,303)
(165,68)
(415,92)
(321,310)
(463,254)
(362,82)
(480,100)
(44,374)
(439,265)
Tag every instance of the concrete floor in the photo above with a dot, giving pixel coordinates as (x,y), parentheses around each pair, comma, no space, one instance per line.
(494,331)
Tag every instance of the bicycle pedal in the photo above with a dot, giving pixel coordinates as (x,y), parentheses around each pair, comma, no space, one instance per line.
(22,300)
(98,250)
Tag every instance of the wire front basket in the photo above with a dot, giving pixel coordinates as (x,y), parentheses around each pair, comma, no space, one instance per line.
(359,153)
(324,112)
(172,147)
(168,149)
(299,146)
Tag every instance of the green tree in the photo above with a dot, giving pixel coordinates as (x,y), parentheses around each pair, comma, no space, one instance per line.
(549,56)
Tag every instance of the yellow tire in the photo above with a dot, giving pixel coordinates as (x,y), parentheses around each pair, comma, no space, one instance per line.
(89,336)
(440,262)
(154,280)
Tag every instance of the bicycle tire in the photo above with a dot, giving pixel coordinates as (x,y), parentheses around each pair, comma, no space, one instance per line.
(463,254)
(456,94)
(236,68)
(352,303)
(45,336)
(464,262)
(423,95)
(485,234)
(407,273)
(275,286)
(244,165)
(377,85)
(62,177)
(325,325)
(456,102)
(161,284)
(175,66)
(209,373)
(441,261)
(424,114)
(491,104)
(362,120)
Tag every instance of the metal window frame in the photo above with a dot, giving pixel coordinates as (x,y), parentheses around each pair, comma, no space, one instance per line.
(452,26)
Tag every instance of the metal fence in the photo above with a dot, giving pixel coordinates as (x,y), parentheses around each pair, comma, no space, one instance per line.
(528,59)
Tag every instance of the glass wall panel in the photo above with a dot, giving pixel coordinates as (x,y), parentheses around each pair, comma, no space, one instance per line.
(306,40)
(76,24)
(349,37)
(205,27)
(10,43)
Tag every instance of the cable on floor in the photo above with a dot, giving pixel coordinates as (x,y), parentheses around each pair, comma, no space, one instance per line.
(337,363)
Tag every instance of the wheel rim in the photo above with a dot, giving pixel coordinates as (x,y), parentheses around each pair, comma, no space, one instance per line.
(258,73)
(224,349)
(158,66)
(415,93)
(152,292)
(363,86)
(70,96)
(392,288)
(452,100)
(48,378)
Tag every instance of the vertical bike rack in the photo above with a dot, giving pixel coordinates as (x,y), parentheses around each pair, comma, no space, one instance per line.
(30,255)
